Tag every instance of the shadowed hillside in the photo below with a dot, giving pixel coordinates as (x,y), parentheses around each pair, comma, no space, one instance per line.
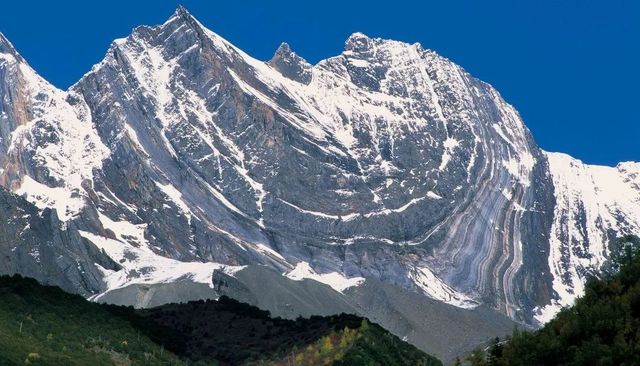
(44,325)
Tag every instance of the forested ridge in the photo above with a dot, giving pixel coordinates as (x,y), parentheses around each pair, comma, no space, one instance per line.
(43,325)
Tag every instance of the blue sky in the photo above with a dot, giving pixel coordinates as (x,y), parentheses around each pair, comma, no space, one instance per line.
(571,67)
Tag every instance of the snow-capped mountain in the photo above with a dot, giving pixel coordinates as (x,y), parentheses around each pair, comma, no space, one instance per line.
(594,204)
(179,156)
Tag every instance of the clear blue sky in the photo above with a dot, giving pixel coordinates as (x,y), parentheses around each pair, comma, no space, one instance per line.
(571,67)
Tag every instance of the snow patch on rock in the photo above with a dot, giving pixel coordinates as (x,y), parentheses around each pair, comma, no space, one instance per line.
(336,280)
(435,288)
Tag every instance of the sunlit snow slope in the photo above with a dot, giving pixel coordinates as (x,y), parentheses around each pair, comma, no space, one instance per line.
(594,204)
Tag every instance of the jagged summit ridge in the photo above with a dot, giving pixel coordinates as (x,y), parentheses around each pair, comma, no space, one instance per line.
(357,42)
(290,65)
(387,162)
(7,48)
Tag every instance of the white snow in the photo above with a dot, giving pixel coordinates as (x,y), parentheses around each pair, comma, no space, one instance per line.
(176,197)
(64,201)
(435,288)
(126,231)
(265,249)
(134,138)
(434,195)
(320,214)
(604,198)
(520,168)
(520,162)
(336,280)
(354,215)
(142,266)
(70,160)
(449,145)
(358,63)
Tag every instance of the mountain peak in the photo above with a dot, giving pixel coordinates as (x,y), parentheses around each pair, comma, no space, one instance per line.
(3,41)
(7,48)
(379,147)
(357,42)
(182,12)
(290,65)
(357,35)
(182,16)
(283,49)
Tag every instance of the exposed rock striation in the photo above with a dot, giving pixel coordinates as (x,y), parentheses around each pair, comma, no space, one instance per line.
(179,155)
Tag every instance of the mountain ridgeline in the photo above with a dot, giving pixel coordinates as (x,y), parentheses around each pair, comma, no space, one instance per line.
(43,325)
(180,168)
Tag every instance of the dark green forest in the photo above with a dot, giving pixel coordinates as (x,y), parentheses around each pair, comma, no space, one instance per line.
(602,328)
(43,325)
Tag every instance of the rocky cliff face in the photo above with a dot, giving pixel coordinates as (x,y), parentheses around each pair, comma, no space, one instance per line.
(37,244)
(179,154)
(594,205)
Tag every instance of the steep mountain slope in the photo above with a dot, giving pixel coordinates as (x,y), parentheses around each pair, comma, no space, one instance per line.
(348,172)
(48,151)
(35,243)
(594,205)
(179,156)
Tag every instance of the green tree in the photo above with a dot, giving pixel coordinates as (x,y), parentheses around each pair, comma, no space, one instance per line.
(621,253)
(326,345)
(478,357)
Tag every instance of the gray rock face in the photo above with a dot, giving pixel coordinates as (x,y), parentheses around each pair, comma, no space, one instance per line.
(36,244)
(179,154)
(290,65)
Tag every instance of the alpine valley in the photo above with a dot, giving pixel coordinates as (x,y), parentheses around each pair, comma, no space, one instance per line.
(385,181)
